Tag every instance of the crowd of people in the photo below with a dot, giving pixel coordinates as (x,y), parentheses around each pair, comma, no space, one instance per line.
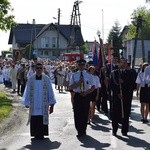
(108,89)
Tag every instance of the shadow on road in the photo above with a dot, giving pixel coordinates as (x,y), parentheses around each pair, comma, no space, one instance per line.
(45,144)
(90,142)
(137,131)
(100,124)
(135,142)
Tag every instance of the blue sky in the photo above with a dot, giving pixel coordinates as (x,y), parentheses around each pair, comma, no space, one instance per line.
(91,14)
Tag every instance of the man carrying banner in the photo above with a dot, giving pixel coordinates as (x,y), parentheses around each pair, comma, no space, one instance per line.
(120,86)
(82,84)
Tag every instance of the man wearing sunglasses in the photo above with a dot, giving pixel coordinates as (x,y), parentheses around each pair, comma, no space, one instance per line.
(39,98)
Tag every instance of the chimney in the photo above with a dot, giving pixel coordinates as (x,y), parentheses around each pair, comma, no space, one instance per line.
(33,22)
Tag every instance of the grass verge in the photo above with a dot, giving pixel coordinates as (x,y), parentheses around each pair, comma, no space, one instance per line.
(5,106)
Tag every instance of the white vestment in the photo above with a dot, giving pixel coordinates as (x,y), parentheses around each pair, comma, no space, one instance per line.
(38,95)
(13,77)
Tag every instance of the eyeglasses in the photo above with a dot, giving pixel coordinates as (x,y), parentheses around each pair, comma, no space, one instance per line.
(38,67)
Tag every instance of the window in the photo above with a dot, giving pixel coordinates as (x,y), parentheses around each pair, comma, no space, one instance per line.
(44,42)
(46,53)
(41,53)
(46,45)
(53,45)
(53,42)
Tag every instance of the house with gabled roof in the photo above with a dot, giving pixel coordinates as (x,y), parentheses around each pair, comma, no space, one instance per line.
(49,40)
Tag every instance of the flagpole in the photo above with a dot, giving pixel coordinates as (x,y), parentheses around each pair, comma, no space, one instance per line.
(111,56)
(103,24)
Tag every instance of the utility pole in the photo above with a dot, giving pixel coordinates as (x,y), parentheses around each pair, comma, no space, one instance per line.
(103,24)
(32,31)
(142,42)
(138,23)
(58,52)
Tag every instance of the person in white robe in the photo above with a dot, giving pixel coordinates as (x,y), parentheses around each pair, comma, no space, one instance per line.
(17,65)
(13,77)
(60,78)
(6,71)
(31,71)
(40,99)
(1,75)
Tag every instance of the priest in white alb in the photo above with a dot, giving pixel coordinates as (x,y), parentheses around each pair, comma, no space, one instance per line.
(39,98)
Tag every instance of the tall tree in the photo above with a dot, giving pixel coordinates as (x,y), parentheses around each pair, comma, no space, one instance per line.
(114,35)
(144,29)
(6,19)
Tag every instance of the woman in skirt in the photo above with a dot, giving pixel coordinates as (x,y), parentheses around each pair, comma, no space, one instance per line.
(94,95)
(144,94)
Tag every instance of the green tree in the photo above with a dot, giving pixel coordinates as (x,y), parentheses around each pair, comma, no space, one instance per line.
(5,52)
(84,48)
(114,37)
(6,19)
(28,49)
(144,27)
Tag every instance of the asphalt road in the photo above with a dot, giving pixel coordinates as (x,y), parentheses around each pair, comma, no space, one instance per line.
(63,134)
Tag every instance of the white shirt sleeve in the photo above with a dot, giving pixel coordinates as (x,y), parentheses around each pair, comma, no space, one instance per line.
(147,75)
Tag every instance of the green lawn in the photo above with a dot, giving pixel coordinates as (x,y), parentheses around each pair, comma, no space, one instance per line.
(5,106)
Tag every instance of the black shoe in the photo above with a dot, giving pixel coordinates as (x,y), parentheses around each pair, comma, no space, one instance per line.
(114,134)
(89,122)
(145,121)
(93,121)
(124,134)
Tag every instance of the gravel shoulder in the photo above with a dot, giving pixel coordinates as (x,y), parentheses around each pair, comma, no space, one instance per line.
(17,116)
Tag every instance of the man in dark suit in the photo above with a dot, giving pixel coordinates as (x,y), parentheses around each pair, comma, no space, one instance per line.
(121,105)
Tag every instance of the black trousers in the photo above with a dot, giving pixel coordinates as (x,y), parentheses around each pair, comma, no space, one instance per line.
(117,115)
(18,85)
(81,112)
(23,85)
(37,129)
(104,94)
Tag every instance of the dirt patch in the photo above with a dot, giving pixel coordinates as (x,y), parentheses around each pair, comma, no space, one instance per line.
(14,121)
(17,116)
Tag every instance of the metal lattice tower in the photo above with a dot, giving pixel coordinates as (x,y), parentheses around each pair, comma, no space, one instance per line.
(75,17)
(75,21)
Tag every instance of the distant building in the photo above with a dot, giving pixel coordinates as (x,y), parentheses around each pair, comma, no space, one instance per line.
(128,52)
(129,48)
(48,40)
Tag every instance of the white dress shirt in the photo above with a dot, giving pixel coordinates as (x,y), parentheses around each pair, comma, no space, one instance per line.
(88,80)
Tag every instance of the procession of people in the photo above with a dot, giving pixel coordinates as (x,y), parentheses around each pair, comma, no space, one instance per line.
(108,89)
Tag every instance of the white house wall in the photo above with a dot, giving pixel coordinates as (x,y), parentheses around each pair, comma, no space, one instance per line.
(50,34)
(14,44)
(138,57)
